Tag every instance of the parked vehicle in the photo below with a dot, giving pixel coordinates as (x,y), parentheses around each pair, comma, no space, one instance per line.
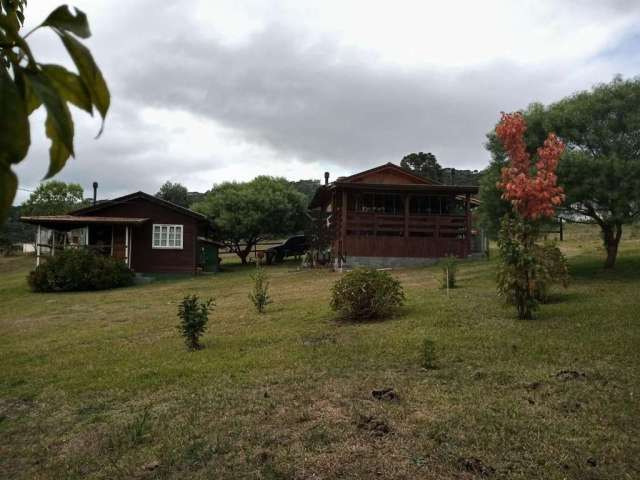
(293,247)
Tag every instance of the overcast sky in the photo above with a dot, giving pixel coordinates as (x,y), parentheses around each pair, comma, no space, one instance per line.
(208,91)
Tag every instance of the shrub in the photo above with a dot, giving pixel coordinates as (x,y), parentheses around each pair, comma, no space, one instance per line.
(428,354)
(551,268)
(449,266)
(516,270)
(76,270)
(194,316)
(260,295)
(365,294)
(527,270)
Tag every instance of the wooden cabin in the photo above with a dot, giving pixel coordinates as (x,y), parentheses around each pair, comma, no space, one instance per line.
(149,234)
(388,216)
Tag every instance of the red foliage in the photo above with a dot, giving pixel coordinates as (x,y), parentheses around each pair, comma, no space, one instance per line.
(532,194)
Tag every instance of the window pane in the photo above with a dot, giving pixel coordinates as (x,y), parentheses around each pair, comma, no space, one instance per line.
(167,236)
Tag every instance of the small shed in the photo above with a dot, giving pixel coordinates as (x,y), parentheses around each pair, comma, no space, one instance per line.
(149,234)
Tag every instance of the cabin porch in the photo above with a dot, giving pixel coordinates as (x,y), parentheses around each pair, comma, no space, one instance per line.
(398,225)
(103,235)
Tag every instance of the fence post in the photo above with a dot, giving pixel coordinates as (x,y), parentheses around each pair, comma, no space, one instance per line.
(561,230)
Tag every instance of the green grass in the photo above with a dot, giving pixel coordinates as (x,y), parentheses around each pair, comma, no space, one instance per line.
(99,384)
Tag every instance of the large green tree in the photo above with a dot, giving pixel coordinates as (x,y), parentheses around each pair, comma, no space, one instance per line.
(307,188)
(26,84)
(246,213)
(600,170)
(15,231)
(174,193)
(53,198)
(426,165)
(423,164)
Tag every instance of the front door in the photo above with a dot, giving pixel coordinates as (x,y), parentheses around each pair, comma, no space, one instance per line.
(119,242)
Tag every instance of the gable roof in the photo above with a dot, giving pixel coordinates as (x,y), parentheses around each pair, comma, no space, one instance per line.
(411,183)
(395,170)
(138,195)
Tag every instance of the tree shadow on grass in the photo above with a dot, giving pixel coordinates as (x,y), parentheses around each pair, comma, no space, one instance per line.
(398,314)
(589,269)
(564,296)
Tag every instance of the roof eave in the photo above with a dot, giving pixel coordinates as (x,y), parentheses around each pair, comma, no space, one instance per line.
(425,187)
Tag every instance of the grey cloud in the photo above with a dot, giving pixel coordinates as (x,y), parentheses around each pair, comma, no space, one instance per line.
(311,102)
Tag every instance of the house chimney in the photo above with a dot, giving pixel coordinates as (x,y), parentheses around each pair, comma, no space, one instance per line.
(326,178)
(95,192)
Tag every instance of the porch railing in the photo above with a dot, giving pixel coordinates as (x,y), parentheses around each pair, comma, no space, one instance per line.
(439,226)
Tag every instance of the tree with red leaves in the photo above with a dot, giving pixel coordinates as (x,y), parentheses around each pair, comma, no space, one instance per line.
(532,189)
(533,196)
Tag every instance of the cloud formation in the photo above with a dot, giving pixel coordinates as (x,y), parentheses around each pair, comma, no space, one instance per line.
(230,90)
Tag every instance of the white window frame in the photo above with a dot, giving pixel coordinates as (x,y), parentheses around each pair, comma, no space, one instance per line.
(167,226)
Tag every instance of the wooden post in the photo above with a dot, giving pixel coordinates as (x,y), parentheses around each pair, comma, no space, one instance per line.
(561,230)
(126,245)
(467,214)
(407,199)
(130,251)
(343,227)
(38,246)
(53,243)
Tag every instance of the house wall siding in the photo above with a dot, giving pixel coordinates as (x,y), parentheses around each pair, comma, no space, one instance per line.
(145,258)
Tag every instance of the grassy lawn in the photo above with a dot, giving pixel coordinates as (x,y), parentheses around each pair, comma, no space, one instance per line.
(99,385)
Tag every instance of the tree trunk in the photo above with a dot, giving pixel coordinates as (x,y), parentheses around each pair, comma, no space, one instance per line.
(244,253)
(611,234)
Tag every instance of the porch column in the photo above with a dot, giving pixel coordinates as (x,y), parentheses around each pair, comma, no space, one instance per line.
(126,245)
(130,250)
(407,199)
(343,226)
(38,246)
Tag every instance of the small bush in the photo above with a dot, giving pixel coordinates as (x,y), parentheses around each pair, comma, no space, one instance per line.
(194,316)
(527,269)
(449,264)
(428,354)
(77,270)
(260,295)
(365,294)
(551,268)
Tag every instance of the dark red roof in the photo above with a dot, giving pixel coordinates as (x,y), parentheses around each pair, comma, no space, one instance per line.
(419,180)
(109,203)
